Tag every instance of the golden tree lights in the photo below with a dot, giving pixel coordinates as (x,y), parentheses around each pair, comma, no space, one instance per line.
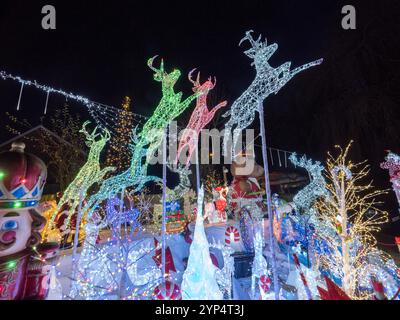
(118,154)
(350,210)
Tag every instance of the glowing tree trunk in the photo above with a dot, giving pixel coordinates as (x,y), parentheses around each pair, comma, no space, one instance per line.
(341,192)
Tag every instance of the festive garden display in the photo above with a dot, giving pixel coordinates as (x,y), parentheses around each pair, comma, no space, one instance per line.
(224,240)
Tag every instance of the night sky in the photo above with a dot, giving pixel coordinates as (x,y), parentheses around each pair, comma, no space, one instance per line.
(100,49)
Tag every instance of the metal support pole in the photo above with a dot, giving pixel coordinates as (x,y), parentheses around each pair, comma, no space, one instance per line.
(76,237)
(269,204)
(164,194)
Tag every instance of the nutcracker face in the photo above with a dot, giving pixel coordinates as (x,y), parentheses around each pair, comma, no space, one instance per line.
(15,231)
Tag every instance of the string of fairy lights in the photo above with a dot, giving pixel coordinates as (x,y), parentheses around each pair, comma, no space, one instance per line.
(106,116)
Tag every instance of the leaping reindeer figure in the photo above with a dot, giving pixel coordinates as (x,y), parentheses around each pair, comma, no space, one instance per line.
(135,176)
(268,80)
(89,174)
(200,117)
(152,133)
(305,198)
(169,107)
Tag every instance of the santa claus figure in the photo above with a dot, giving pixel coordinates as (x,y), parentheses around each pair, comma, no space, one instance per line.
(246,190)
(23,260)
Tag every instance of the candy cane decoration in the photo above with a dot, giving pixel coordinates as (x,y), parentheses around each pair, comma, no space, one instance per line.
(379,290)
(303,277)
(228,235)
(264,283)
(167,291)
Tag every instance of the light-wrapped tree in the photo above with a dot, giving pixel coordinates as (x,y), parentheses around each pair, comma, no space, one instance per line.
(350,210)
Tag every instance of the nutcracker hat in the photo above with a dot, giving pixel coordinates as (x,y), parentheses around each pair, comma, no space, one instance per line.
(22,178)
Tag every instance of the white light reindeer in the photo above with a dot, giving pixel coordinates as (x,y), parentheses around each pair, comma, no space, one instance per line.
(268,80)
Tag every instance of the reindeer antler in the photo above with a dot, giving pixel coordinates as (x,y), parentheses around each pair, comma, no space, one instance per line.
(84,130)
(150,64)
(197,82)
(213,84)
(107,134)
(254,44)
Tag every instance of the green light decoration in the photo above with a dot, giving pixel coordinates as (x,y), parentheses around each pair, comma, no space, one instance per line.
(151,135)
(88,175)
(17,204)
(170,107)
(2,175)
(11,264)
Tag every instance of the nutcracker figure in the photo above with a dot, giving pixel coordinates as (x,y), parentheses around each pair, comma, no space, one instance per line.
(23,260)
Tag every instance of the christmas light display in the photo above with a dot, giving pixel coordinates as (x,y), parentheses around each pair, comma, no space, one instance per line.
(151,136)
(200,117)
(135,176)
(392,163)
(199,280)
(351,210)
(105,116)
(88,175)
(305,198)
(118,155)
(268,80)
(116,216)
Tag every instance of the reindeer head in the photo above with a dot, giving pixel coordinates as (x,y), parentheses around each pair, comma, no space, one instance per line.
(92,137)
(260,52)
(197,86)
(168,79)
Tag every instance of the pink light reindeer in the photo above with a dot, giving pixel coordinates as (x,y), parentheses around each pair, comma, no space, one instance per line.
(200,117)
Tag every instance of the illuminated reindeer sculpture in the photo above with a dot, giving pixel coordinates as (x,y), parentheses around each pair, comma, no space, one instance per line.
(200,117)
(151,135)
(305,198)
(169,107)
(135,176)
(268,80)
(88,175)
